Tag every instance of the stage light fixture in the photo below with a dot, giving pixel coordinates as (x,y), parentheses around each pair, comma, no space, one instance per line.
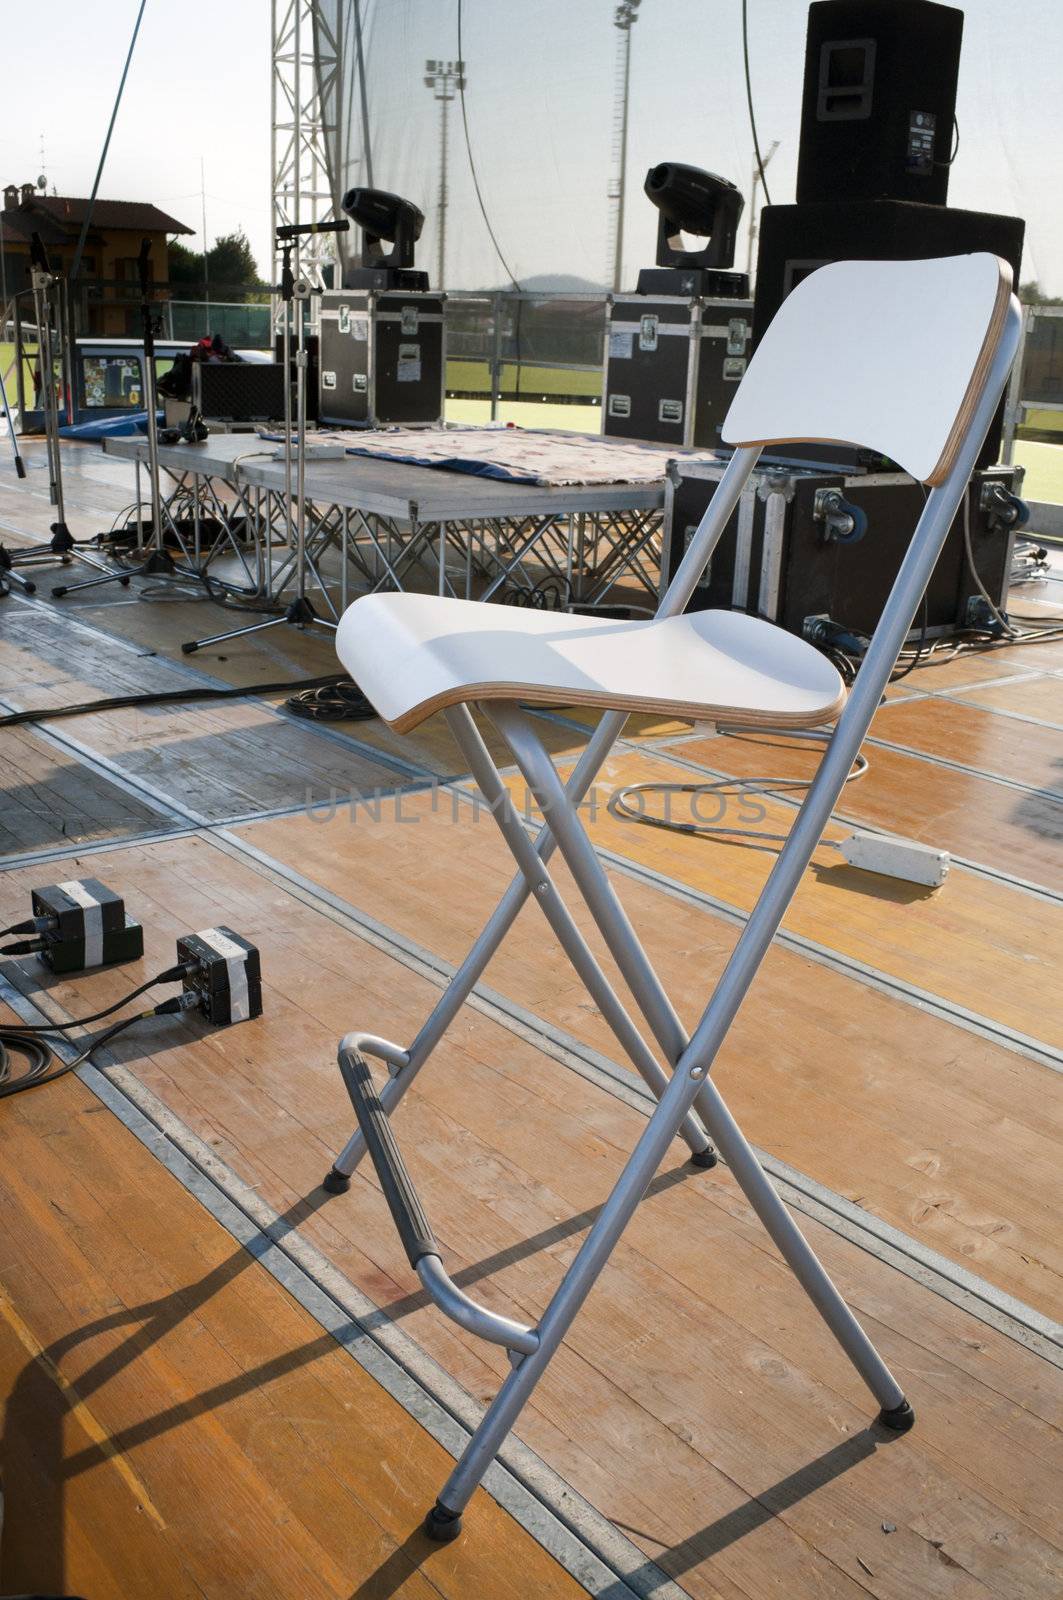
(693,201)
(384,217)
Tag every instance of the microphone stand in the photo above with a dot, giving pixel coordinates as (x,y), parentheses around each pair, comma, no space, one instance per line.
(294,290)
(158,563)
(8,574)
(62,544)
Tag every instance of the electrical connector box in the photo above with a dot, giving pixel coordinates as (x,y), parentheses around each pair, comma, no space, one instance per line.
(86,926)
(897,858)
(227,979)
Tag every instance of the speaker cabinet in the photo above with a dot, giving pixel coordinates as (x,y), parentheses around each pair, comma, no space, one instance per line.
(795,240)
(879,100)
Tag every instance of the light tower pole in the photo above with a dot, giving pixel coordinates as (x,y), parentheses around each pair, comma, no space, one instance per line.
(624,19)
(753,205)
(445,79)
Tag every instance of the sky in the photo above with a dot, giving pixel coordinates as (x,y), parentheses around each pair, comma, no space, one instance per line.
(198,87)
(539,104)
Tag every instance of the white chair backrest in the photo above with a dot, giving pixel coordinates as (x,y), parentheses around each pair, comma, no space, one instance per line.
(890,355)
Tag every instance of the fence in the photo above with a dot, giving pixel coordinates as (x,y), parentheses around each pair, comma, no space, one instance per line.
(519,346)
(242,324)
(1034,414)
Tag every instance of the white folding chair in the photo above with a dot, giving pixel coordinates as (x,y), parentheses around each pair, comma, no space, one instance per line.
(909,358)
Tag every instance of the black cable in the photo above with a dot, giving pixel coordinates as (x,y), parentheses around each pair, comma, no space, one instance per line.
(172,975)
(749,102)
(955,144)
(166,697)
(40,1056)
(472,165)
(332,703)
(85,226)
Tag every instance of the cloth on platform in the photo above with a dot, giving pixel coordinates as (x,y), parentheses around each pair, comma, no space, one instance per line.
(519,455)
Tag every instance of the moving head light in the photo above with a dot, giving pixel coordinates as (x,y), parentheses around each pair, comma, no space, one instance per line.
(692,201)
(384,216)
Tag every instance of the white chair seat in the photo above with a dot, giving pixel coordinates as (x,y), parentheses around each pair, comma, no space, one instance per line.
(413,654)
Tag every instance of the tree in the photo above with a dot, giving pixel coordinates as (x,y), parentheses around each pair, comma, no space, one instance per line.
(232,272)
(1031,294)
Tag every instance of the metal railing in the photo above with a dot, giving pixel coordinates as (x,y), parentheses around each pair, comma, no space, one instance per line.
(515,345)
(1034,406)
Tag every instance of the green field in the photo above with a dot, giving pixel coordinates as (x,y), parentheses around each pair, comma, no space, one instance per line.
(474,377)
(1044,470)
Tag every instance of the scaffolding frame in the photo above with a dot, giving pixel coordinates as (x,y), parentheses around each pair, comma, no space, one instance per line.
(306,79)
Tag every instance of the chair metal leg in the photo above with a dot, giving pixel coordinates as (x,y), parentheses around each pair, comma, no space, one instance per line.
(537,876)
(582,859)
(471,970)
(502,1413)
(699,551)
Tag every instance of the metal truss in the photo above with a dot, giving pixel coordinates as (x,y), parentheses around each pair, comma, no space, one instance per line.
(305,92)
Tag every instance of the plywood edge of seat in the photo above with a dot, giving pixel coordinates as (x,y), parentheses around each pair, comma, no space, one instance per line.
(539,694)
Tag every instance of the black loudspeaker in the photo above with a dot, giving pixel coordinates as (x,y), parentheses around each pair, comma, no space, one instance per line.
(795,240)
(879,101)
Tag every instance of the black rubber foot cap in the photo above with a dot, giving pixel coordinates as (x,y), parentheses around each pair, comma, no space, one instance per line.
(442,1525)
(336,1182)
(59,593)
(188,649)
(30,587)
(898,1418)
(704,1158)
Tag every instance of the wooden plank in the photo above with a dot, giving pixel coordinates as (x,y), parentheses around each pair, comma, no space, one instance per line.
(47,799)
(976,738)
(175,1424)
(810,1046)
(996,826)
(959,671)
(1034,696)
(220,758)
(724,1429)
(977,943)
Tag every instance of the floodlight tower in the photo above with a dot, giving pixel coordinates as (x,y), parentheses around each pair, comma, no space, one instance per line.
(624,19)
(757,182)
(305,95)
(445,79)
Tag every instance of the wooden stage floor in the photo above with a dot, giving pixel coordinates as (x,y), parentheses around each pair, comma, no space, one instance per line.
(220,1381)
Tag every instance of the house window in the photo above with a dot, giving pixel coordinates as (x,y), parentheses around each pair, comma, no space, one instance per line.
(127,269)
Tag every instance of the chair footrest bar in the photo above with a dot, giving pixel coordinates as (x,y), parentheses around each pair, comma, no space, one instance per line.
(418,1241)
(469,1314)
(399,1192)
